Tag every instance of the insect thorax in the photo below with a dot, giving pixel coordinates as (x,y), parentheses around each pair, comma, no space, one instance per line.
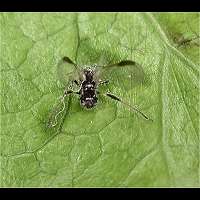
(89,74)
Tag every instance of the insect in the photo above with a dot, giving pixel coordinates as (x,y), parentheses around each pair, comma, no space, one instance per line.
(88,81)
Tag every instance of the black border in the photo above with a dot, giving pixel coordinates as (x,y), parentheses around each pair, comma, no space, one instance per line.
(100,5)
(95,193)
(94,6)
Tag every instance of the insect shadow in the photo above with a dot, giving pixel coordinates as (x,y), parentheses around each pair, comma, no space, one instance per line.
(84,81)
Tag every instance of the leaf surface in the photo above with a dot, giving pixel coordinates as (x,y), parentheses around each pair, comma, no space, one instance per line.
(108,146)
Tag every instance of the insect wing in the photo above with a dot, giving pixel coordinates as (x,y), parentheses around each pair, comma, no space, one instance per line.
(125,74)
(67,71)
(57,113)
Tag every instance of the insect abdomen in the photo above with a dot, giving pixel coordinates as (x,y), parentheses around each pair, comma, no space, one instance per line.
(88,95)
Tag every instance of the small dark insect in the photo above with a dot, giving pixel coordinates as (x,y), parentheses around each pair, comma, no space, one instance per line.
(184,41)
(88,82)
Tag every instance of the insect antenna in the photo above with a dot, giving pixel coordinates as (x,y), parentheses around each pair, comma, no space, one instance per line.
(127,104)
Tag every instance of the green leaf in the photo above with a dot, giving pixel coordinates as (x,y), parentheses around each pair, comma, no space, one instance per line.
(108,146)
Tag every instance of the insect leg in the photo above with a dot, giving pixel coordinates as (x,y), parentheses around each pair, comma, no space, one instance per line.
(103,82)
(127,104)
(76,82)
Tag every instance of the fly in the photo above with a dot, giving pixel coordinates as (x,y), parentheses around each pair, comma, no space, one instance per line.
(88,82)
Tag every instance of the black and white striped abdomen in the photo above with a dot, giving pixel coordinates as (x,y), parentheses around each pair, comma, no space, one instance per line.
(88,96)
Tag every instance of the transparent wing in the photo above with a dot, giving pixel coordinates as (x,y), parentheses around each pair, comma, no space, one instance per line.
(67,71)
(125,74)
(56,113)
